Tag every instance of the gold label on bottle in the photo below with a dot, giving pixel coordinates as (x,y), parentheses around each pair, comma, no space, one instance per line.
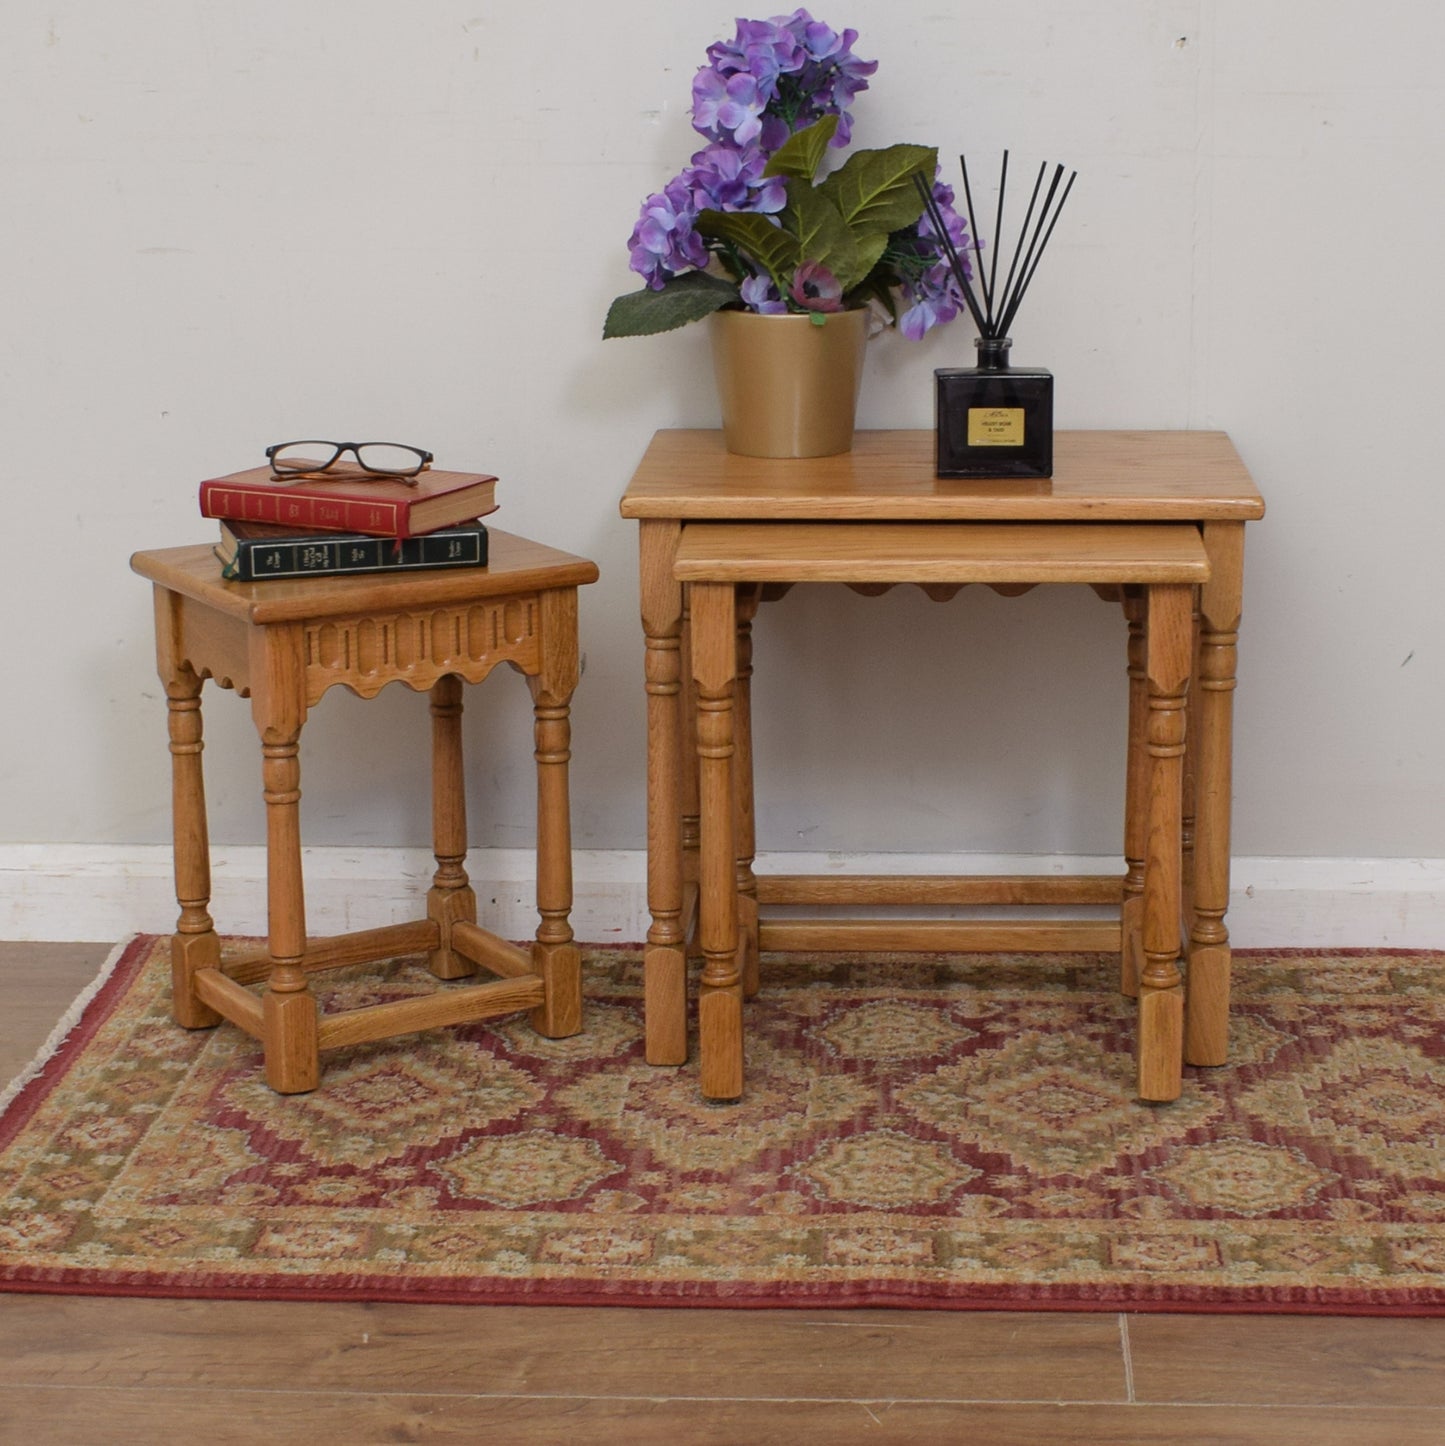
(995,426)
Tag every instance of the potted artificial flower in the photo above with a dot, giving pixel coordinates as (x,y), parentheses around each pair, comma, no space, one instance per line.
(789,258)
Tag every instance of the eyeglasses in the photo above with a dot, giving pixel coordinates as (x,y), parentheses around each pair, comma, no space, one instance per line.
(382,459)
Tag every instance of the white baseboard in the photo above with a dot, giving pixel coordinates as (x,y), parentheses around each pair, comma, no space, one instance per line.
(94,892)
(83,891)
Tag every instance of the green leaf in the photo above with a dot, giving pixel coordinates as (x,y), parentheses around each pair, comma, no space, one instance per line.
(823,235)
(685,298)
(801,154)
(769,245)
(870,252)
(875,191)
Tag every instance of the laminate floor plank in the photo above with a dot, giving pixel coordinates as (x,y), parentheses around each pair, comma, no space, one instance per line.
(1288,1360)
(37,984)
(84,1416)
(48,1340)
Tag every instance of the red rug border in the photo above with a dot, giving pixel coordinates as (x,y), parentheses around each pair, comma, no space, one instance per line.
(34,1092)
(990,1298)
(280,1288)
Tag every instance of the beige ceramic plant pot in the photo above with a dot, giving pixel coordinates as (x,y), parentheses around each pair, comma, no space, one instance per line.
(788,387)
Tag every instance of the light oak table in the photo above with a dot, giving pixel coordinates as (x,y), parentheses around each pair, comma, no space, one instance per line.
(1154,520)
(283,644)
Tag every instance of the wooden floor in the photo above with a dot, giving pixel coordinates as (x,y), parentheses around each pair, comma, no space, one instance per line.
(91,1371)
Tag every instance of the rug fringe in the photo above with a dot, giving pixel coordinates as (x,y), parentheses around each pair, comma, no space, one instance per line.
(72,1016)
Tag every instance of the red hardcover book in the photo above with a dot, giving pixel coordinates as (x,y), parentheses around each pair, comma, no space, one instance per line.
(349,500)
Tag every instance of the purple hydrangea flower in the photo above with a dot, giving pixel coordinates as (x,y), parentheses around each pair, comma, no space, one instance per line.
(760,295)
(954,224)
(934,291)
(761,49)
(724,178)
(819,40)
(932,306)
(729,106)
(663,242)
(797,69)
(833,76)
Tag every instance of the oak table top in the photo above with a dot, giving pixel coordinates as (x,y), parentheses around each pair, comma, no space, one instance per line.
(514,564)
(1113,476)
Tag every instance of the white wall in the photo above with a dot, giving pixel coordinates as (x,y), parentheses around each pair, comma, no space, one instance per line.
(228,225)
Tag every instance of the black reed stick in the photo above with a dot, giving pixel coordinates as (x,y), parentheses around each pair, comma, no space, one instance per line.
(1034,241)
(1024,282)
(946,241)
(983,282)
(994,318)
(998,224)
(1008,285)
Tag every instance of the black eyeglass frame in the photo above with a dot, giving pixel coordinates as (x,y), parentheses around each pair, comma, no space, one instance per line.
(404,474)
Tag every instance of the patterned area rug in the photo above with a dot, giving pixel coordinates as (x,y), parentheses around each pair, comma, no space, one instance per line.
(947,1133)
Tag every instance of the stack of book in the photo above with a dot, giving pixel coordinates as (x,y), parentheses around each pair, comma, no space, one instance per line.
(347,521)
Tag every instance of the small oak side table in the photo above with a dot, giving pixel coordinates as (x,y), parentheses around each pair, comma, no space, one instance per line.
(283,644)
(721,532)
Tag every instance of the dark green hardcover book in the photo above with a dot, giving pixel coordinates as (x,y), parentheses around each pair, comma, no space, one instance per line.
(254,551)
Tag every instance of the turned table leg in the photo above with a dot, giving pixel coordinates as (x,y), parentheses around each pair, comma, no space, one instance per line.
(555,956)
(1187,828)
(1207,1016)
(1161,991)
(1136,793)
(687,712)
(450,898)
(720,996)
(665,957)
(745,823)
(289,1022)
(195,944)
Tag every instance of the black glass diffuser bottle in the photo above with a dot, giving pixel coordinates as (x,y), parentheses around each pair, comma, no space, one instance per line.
(994,420)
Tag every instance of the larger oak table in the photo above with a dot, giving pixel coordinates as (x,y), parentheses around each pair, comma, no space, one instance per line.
(714,525)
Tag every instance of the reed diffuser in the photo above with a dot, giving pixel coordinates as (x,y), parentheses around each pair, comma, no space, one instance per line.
(993,419)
